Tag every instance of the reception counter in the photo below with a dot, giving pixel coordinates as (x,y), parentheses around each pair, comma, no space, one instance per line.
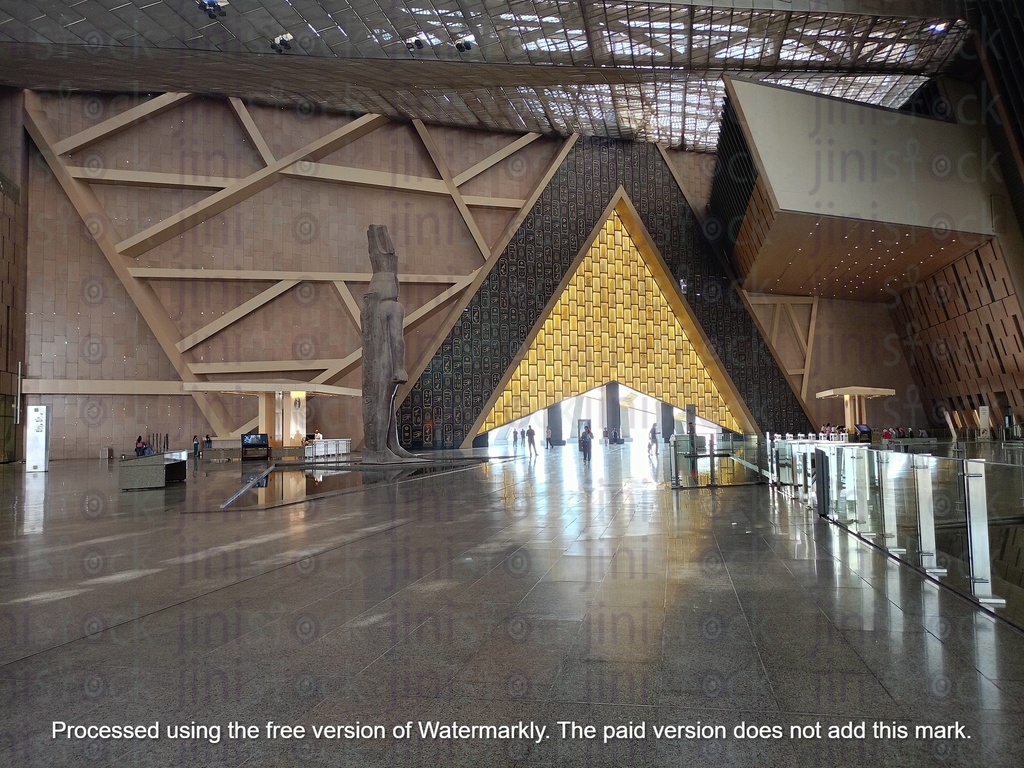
(327,448)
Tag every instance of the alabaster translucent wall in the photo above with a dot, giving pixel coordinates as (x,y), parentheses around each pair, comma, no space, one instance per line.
(612,322)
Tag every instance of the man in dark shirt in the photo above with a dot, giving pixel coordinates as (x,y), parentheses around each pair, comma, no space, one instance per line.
(587,442)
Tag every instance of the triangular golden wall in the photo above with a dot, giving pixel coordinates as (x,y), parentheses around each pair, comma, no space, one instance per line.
(612,322)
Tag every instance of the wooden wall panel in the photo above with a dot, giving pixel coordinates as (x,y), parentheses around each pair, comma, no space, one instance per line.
(961,330)
(757,224)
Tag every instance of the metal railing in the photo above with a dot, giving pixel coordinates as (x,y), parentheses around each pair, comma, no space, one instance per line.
(959,518)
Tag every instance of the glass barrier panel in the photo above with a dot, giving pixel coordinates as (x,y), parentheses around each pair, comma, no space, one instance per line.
(1004,486)
(720,460)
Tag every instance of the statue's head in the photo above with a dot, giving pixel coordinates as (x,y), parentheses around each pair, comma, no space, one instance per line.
(382,251)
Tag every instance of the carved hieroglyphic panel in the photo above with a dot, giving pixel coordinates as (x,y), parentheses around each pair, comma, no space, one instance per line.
(471,361)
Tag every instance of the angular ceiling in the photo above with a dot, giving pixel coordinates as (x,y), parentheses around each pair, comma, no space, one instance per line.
(648,71)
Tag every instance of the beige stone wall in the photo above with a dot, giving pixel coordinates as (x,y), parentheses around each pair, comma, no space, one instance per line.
(695,171)
(856,344)
(82,324)
(849,343)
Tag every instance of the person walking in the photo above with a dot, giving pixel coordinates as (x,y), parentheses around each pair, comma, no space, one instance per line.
(652,444)
(530,435)
(195,446)
(587,441)
(547,438)
(515,440)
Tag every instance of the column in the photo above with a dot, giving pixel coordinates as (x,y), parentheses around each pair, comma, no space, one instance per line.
(668,421)
(294,418)
(268,416)
(611,408)
(577,414)
(554,416)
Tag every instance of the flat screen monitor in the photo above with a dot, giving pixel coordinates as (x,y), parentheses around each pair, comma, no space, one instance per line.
(256,439)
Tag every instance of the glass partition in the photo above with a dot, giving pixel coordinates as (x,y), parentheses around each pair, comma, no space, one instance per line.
(718,460)
(958,517)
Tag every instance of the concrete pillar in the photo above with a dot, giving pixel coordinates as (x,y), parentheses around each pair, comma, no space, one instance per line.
(577,414)
(668,421)
(294,418)
(554,417)
(611,408)
(267,419)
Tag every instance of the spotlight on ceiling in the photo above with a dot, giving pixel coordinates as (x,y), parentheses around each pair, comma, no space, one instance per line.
(414,43)
(282,43)
(213,8)
(464,45)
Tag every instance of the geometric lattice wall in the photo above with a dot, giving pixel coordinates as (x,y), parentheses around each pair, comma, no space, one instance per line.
(612,322)
(186,249)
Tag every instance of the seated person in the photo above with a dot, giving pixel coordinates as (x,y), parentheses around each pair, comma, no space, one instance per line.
(140,446)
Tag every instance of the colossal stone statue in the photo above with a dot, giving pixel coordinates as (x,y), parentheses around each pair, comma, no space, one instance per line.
(382,319)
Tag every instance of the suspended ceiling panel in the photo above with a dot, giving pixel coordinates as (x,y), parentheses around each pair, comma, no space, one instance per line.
(822,197)
(852,259)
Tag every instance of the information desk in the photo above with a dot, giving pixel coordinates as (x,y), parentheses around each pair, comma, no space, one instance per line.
(153,471)
(327,448)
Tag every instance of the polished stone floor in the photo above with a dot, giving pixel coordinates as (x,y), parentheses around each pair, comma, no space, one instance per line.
(519,591)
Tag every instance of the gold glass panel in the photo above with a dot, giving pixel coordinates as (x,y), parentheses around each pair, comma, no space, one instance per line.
(626,331)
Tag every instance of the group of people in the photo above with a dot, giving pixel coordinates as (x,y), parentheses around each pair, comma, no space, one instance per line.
(897,433)
(528,438)
(828,432)
(586,441)
(143,448)
(207,442)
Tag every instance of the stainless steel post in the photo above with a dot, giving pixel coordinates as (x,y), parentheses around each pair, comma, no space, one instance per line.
(926,515)
(977,533)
